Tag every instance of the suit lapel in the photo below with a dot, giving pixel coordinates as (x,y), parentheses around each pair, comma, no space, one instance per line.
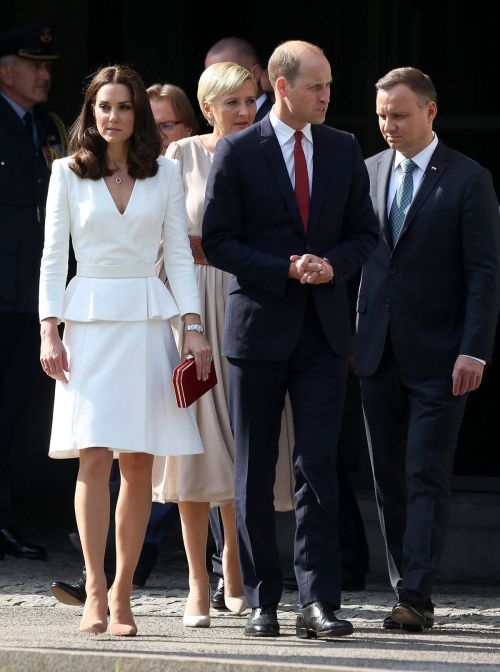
(323,170)
(433,173)
(274,155)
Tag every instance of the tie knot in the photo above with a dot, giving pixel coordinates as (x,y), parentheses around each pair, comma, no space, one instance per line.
(408,166)
(298,136)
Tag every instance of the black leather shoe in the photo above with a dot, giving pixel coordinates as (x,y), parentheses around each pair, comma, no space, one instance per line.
(217,601)
(412,610)
(70,593)
(263,622)
(12,544)
(318,620)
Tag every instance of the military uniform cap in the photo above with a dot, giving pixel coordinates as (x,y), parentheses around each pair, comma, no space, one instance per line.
(34,41)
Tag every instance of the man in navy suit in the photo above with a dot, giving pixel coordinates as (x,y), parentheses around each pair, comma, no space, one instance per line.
(240,51)
(427,313)
(30,139)
(288,213)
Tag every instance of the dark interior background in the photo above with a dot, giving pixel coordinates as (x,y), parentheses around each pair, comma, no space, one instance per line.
(455,43)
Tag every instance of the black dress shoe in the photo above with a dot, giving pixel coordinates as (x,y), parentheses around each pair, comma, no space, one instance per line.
(263,622)
(412,610)
(12,544)
(217,601)
(70,593)
(318,620)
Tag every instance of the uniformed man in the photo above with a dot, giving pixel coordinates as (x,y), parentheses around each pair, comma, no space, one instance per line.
(30,139)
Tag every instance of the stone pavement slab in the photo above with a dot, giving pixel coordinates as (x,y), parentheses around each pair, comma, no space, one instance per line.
(37,634)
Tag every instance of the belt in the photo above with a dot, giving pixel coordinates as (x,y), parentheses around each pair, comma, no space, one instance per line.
(116,271)
(198,254)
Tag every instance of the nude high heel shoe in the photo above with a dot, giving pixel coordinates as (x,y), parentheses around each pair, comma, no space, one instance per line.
(198,621)
(121,629)
(237,605)
(93,626)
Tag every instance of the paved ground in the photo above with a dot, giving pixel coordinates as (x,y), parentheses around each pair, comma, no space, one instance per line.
(39,635)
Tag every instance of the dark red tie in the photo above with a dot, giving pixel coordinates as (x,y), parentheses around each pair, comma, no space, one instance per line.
(301,179)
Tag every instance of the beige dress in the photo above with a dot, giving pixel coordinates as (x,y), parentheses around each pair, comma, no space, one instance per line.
(209,477)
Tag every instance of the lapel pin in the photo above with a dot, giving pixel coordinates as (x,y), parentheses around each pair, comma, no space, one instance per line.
(433,168)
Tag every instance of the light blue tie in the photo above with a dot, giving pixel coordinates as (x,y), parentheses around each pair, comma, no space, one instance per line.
(402,200)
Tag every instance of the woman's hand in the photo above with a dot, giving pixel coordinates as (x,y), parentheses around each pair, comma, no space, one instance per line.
(197,345)
(53,356)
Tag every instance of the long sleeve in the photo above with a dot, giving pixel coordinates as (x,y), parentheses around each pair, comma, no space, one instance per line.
(54,266)
(177,255)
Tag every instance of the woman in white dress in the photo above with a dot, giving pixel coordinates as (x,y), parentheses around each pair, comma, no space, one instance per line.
(226,93)
(114,393)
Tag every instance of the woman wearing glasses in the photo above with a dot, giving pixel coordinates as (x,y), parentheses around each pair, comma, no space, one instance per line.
(173,113)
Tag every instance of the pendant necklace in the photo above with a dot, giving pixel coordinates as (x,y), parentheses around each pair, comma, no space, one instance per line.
(118,179)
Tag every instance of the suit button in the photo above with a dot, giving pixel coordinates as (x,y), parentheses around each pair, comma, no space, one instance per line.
(392,270)
(387,303)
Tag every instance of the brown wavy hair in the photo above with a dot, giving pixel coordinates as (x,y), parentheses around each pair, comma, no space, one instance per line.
(89,148)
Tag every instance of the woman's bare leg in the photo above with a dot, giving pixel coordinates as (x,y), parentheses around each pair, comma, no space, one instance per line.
(230,561)
(194,521)
(132,514)
(92,517)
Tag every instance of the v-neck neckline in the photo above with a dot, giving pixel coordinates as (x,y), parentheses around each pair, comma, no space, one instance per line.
(122,214)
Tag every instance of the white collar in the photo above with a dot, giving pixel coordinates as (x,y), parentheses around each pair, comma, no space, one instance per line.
(421,159)
(285,133)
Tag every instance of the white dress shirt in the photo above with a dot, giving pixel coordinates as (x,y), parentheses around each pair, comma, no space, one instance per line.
(286,138)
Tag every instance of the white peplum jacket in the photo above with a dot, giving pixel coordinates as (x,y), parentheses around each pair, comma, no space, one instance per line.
(116,252)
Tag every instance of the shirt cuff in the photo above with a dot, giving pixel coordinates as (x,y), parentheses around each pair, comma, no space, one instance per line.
(483,362)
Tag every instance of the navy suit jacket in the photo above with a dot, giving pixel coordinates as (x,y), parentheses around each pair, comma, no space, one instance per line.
(24,180)
(252,225)
(438,292)
(264,109)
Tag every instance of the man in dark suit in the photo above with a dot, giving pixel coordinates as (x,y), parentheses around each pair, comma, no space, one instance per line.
(288,213)
(240,51)
(427,313)
(30,139)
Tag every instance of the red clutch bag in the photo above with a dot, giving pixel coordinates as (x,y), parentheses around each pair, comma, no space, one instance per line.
(186,387)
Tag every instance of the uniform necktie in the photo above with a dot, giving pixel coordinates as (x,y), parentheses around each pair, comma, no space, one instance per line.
(28,122)
(402,200)
(301,179)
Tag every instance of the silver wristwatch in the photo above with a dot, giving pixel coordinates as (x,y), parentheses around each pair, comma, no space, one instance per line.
(194,327)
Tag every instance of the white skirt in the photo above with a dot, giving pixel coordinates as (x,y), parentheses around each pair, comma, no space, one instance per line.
(120,394)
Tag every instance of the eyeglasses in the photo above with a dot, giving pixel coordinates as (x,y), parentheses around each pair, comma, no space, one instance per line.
(167,126)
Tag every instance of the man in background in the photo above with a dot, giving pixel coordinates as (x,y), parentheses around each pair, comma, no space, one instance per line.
(30,139)
(240,51)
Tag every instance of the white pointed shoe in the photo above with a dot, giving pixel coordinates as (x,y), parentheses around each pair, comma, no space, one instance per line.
(198,621)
